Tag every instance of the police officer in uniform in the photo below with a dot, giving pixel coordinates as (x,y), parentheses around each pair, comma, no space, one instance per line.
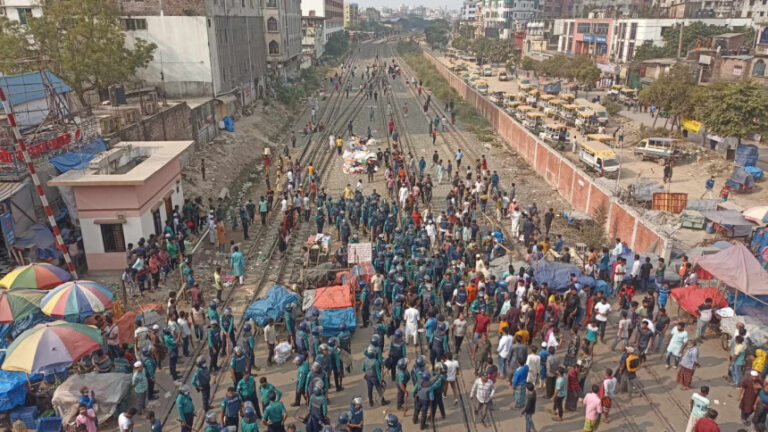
(372,370)
(290,320)
(316,376)
(186,409)
(419,367)
(393,424)
(214,344)
(439,343)
(335,363)
(302,379)
(249,423)
(231,408)
(397,351)
(438,382)
(246,388)
(403,377)
(423,394)
(237,365)
(202,382)
(355,423)
(365,302)
(345,345)
(249,344)
(172,345)
(210,422)
(227,330)
(150,367)
(318,411)
(302,340)
(461,297)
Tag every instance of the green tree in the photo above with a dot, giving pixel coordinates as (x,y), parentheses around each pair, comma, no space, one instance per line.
(436,33)
(337,44)
(82,42)
(733,110)
(529,64)
(14,47)
(672,92)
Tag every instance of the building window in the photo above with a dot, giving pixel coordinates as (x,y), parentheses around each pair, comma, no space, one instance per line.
(632,31)
(272,3)
(23,14)
(763,36)
(274,48)
(758,69)
(582,28)
(112,237)
(601,28)
(134,24)
(272,25)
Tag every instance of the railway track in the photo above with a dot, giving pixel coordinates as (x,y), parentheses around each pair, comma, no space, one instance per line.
(407,146)
(268,235)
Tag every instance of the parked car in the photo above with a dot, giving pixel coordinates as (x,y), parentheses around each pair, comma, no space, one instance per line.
(657,149)
(503,76)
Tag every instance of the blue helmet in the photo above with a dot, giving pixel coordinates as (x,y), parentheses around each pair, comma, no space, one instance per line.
(425,376)
(361,284)
(343,418)
(399,298)
(146,351)
(316,313)
(378,302)
(398,334)
(378,316)
(139,320)
(392,420)
(315,331)
(303,326)
(249,412)
(375,340)
(402,363)
(442,327)
(228,311)
(332,342)
(213,304)
(420,361)
(327,428)
(298,360)
(289,307)
(342,327)
(246,327)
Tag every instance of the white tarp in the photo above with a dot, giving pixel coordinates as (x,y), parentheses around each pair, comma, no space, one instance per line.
(110,388)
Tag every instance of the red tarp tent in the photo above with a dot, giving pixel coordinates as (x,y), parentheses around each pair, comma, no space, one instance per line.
(691,296)
(335,297)
(737,268)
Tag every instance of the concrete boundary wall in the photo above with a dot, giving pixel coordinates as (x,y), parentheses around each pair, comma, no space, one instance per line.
(570,180)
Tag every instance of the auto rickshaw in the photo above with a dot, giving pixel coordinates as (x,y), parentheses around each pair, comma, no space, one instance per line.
(586,121)
(522,112)
(553,107)
(606,139)
(511,108)
(524,87)
(532,98)
(533,121)
(556,134)
(568,97)
(567,114)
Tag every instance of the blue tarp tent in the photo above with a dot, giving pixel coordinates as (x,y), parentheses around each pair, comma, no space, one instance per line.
(557,275)
(13,389)
(331,318)
(759,243)
(271,306)
(79,158)
(40,236)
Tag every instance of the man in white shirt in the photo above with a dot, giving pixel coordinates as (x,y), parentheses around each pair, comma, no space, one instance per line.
(482,391)
(635,273)
(618,276)
(618,249)
(377,282)
(125,420)
(602,309)
(411,318)
(519,292)
(505,343)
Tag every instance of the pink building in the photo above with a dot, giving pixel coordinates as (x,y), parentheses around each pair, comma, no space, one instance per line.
(587,37)
(128,192)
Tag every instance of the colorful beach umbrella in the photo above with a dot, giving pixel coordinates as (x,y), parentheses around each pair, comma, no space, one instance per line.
(16,304)
(35,276)
(78,298)
(51,345)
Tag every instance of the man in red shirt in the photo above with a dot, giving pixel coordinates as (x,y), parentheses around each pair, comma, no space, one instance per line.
(482,322)
(707,423)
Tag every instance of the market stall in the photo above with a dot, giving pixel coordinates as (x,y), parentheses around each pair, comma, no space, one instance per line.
(357,155)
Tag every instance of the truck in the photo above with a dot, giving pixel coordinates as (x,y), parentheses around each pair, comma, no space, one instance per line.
(653,148)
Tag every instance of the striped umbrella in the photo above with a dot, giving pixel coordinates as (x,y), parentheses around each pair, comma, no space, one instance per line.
(51,345)
(16,304)
(35,276)
(78,298)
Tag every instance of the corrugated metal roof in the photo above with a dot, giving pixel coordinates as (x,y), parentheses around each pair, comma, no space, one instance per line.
(8,189)
(27,87)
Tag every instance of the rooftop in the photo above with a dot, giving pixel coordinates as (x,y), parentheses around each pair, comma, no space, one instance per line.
(129,163)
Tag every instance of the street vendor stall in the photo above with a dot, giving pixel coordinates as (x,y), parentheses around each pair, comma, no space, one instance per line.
(110,389)
(730,223)
(357,154)
(319,246)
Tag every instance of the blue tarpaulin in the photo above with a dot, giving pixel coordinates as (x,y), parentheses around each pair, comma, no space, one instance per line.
(79,158)
(332,318)
(557,275)
(13,389)
(746,155)
(40,236)
(271,306)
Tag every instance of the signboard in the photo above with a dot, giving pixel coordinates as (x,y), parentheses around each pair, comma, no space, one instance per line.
(691,125)
(359,253)
(6,221)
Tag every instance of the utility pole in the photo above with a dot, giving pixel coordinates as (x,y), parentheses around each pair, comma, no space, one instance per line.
(680,39)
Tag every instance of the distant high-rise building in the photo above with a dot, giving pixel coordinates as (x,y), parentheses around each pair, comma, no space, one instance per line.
(283,35)
(332,14)
(350,14)
(468,10)
(502,18)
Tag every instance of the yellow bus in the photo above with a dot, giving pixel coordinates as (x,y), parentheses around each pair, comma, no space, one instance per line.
(599,158)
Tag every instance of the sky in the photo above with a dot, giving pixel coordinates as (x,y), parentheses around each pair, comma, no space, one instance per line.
(394,4)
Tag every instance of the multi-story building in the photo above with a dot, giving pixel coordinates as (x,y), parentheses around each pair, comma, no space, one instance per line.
(468,10)
(537,34)
(502,18)
(312,41)
(205,47)
(609,8)
(615,41)
(479,21)
(701,8)
(282,22)
(351,12)
(755,9)
(557,8)
(19,10)
(331,11)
